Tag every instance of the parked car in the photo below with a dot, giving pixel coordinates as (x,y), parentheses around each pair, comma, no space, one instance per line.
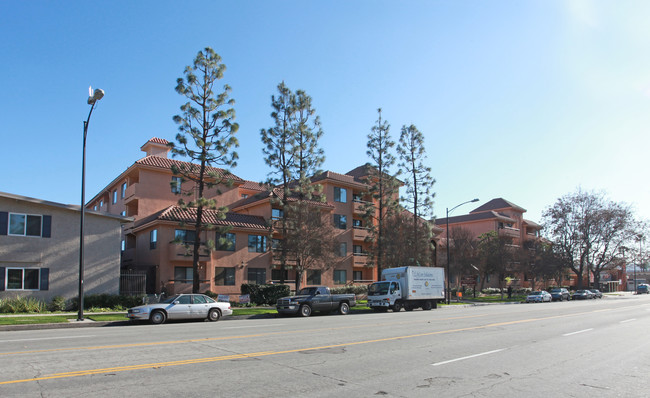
(597,293)
(181,306)
(560,294)
(315,298)
(539,297)
(582,295)
(643,289)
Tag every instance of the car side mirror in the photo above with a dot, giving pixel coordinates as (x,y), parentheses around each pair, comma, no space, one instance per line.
(177,302)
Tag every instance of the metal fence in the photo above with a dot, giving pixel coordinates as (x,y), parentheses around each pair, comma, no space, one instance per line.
(133,283)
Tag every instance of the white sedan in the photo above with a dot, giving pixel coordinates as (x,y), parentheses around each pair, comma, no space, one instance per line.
(539,297)
(181,306)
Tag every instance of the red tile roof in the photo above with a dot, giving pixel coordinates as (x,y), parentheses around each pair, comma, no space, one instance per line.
(497,204)
(165,163)
(486,215)
(157,140)
(188,215)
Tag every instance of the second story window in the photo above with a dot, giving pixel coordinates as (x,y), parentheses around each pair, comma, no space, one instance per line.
(340,195)
(115,196)
(340,221)
(343,249)
(184,236)
(25,224)
(176,184)
(256,243)
(276,214)
(226,242)
(153,239)
(123,191)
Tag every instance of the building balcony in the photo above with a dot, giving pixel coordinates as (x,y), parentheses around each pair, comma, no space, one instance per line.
(179,252)
(360,233)
(510,232)
(359,206)
(131,193)
(360,259)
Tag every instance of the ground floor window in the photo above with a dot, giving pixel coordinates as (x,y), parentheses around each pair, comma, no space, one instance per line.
(224,276)
(276,274)
(340,277)
(183,274)
(14,278)
(313,277)
(357,275)
(257,276)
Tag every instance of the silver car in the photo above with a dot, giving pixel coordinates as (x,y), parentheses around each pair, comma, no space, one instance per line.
(539,297)
(181,306)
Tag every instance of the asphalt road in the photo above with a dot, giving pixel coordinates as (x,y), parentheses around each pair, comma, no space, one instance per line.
(595,348)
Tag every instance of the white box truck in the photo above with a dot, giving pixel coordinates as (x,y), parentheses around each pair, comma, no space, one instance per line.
(408,288)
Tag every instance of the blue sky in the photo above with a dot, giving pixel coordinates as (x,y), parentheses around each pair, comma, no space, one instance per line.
(525,100)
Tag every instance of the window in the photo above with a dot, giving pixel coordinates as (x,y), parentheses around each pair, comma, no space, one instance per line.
(225,242)
(340,195)
(257,276)
(123,213)
(340,221)
(276,214)
(256,243)
(153,239)
(24,278)
(357,275)
(340,276)
(115,196)
(25,224)
(123,192)
(95,208)
(224,276)
(184,235)
(244,195)
(343,249)
(356,197)
(357,249)
(313,277)
(176,184)
(123,245)
(183,274)
(276,274)
(101,204)
(276,244)
(357,223)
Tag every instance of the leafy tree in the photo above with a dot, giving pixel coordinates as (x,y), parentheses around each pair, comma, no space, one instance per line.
(401,249)
(293,153)
(419,183)
(207,138)
(588,232)
(463,253)
(310,239)
(384,188)
(497,256)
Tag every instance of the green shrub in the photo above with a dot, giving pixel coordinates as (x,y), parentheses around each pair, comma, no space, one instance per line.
(57,304)
(265,294)
(353,289)
(21,304)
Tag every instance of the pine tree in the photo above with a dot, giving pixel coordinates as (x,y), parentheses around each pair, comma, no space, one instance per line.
(207,138)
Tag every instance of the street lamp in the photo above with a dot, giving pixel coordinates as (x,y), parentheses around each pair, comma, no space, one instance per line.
(93,97)
(448,256)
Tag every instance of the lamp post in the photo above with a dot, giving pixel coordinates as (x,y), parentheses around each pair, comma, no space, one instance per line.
(448,256)
(93,97)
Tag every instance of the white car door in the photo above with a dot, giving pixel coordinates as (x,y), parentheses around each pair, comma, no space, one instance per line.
(180,309)
(199,307)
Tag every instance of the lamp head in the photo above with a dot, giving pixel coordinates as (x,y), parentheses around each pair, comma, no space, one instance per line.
(473,200)
(94,95)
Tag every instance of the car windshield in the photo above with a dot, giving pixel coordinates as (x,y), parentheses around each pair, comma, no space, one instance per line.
(378,289)
(535,293)
(556,291)
(170,299)
(308,291)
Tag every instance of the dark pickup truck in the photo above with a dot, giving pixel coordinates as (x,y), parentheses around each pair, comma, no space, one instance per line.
(315,298)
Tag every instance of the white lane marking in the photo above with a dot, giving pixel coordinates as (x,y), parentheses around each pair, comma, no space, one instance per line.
(628,320)
(44,338)
(467,357)
(579,331)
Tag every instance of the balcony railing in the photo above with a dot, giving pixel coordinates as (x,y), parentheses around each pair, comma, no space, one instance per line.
(179,252)
(509,231)
(131,193)
(360,206)
(360,233)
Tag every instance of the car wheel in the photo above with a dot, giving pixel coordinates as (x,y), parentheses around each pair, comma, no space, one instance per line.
(158,317)
(305,310)
(427,305)
(214,315)
(397,307)
(344,309)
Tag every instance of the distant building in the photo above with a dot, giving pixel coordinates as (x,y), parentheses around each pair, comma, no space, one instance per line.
(39,249)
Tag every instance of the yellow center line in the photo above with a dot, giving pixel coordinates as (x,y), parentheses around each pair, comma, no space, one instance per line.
(206,339)
(267,353)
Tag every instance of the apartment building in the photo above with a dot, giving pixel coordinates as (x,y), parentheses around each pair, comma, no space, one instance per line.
(500,215)
(39,249)
(148,192)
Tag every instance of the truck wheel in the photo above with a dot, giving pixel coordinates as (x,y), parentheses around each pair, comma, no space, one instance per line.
(344,309)
(305,310)
(397,307)
(408,307)
(427,305)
